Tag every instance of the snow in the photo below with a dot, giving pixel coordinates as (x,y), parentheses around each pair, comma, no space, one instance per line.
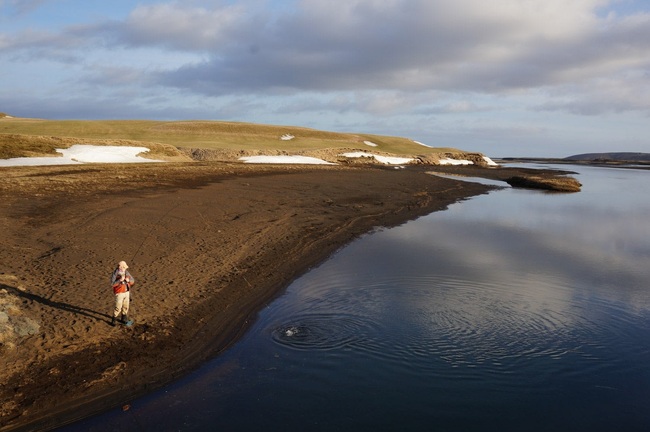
(287,137)
(422,144)
(35,161)
(285,160)
(383,159)
(370,143)
(83,153)
(449,161)
(489,161)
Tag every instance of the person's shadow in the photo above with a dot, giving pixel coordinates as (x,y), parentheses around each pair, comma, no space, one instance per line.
(55,304)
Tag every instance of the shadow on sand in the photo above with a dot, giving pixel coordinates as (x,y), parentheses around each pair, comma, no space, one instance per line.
(57,305)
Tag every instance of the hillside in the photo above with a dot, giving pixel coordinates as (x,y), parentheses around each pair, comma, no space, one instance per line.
(29,137)
(613,156)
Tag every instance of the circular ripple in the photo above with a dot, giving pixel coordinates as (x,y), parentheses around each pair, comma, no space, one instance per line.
(322,331)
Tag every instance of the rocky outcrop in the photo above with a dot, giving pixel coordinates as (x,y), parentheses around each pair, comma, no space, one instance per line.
(477,159)
(557,184)
(337,155)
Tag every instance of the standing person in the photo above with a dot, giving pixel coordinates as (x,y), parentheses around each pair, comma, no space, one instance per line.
(121,281)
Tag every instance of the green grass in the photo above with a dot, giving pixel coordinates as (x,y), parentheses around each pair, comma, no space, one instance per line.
(46,136)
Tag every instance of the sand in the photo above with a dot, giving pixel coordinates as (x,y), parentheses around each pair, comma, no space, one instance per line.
(209,245)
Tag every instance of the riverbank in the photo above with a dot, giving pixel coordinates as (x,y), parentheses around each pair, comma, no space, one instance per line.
(209,245)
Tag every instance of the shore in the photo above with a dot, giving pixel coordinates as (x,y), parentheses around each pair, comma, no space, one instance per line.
(209,245)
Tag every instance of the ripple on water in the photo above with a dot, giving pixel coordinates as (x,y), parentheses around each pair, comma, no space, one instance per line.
(503,328)
(496,327)
(323,331)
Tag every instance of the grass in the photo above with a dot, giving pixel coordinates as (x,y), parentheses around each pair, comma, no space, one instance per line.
(28,137)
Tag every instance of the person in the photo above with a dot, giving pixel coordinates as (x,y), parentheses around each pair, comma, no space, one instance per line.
(121,281)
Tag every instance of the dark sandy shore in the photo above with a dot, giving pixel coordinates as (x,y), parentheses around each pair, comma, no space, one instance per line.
(209,245)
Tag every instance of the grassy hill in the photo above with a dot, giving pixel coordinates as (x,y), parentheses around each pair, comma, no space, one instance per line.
(30,137)
(612,156)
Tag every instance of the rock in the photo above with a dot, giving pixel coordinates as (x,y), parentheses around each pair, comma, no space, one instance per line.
(558,184)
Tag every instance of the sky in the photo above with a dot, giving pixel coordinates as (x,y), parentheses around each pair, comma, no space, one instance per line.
(532,78)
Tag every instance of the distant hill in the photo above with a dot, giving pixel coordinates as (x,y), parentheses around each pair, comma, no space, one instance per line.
(614,156)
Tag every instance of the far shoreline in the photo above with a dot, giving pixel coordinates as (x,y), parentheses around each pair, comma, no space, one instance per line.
(563,161)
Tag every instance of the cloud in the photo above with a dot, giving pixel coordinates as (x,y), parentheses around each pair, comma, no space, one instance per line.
(617,94)
(181,27)
(411,46)
(399,45)
(20,7)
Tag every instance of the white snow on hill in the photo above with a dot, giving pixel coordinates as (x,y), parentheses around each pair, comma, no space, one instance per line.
(82,153)
(285,160)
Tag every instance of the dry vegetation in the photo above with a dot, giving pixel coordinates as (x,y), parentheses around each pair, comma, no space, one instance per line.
(46,135)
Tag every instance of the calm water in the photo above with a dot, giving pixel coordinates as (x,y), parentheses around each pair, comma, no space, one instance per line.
(512,311)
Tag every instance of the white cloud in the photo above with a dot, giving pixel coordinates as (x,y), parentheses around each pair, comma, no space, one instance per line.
(184,26)
(628,92)
(421,45)
(394,45)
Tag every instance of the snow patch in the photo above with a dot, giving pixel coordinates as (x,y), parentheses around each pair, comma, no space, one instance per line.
(287,137)
(83,153)
(285,160)
(489,161)
(449,161)
(104,154)
(370,143)
(422,144)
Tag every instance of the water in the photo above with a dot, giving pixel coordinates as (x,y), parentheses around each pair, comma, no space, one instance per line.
(517,310)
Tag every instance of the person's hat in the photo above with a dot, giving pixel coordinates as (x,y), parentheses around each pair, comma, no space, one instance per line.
(122,264)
